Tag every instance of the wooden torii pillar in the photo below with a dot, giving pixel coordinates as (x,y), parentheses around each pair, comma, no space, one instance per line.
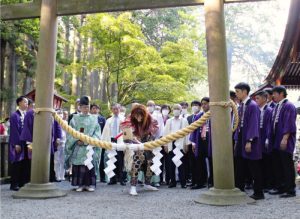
(224,192)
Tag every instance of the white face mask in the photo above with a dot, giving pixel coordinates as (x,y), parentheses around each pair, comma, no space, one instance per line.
(184,111)
(195,109)
(176,112)
(165,112)
(150,109)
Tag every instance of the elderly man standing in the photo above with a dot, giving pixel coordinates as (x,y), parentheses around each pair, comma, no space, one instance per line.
(110,132)
(174,124)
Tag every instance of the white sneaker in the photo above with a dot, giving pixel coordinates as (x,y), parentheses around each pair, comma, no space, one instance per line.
(90,188)
(79,189)
(150,188)
(133,191)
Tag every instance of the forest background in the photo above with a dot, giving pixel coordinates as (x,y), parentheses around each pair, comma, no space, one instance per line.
(140,55)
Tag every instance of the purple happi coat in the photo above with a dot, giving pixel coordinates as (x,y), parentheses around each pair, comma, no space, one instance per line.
(26,134)
(265,128)
(14,137)
(196,135)
(250,130)
(56,134)
(286,124)
(27,131)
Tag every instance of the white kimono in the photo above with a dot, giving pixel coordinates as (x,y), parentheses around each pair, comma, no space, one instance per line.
(173,125)
(107,130)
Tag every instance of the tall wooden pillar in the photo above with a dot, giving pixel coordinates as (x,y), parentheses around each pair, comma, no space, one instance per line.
(224,191)
(39,186)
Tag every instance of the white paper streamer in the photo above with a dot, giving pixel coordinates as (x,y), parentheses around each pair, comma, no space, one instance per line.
(89,155)
(156,161)
(176,159)
(109,170)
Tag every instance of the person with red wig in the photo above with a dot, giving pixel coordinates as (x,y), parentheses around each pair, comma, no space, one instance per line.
(144,129)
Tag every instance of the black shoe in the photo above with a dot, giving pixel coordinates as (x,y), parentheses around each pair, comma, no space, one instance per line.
(112,183)
(288,195)
(122,183)
(15,188)
(275,192)
(184,187)
(266,190)
(257,197)
(172,186)
(198,187)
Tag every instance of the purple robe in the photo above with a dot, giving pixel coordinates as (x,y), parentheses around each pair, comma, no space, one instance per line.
(286,124)
(250,130)
(209,154)
(56,134)
(272,105)
(14,137)
(264,131)
(196,135)
(27,131)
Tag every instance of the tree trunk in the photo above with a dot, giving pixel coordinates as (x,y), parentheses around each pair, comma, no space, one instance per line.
(67,54)
(2,65)
(12,80)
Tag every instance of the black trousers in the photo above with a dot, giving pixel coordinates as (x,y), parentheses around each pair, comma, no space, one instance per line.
(181,169)
(52,176)
(102,166)
(254,166)
(256,172)
(189,163)
(239,174)
(277,169)
(165,167)
(211,174)
(288,168)
(267,172)
(199,174)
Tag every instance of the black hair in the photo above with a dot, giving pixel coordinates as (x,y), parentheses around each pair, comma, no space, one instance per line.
(184,103)
(205,99)
(280,89)
(262,93)
(196,102)
(165,106)
(20,99)
(95,105)
(30,101)
(269,91)
(232,94)
(243,86)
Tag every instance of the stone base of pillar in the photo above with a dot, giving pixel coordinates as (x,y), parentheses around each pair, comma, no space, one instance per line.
(39,191)
(223,197)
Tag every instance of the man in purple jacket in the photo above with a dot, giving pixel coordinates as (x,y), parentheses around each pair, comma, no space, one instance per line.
(264,133)
(247,148)
(283,140)
(18,152)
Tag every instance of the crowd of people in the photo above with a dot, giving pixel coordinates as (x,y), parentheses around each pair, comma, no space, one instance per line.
(263,144)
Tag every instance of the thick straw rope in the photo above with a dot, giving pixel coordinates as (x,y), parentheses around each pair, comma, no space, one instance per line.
(152,144)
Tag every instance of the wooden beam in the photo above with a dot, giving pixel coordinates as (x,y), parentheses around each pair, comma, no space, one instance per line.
(72,7)
(21,10)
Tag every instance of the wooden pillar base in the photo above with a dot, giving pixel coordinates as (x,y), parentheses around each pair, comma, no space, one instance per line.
(39,191)
(224,197)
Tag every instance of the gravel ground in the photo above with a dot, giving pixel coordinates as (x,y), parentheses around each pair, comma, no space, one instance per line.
(114,202)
